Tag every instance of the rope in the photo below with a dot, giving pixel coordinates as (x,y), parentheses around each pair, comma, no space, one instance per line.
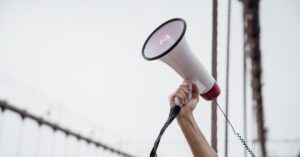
(227,74)
(214,139)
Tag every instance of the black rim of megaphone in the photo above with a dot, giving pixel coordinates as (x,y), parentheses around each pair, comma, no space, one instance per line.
(171,48)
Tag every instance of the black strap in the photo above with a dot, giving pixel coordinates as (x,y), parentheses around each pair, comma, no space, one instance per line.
(173,113)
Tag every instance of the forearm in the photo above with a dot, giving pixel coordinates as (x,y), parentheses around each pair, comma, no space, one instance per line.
(194,137)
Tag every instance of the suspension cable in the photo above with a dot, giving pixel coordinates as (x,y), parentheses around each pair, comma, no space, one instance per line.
(214,138)
(20,138)
(1,124)
(245,79)
(227,75)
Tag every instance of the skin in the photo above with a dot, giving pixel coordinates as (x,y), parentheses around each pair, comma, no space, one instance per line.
(195,138)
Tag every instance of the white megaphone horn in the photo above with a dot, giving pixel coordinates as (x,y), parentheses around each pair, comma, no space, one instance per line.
(167,43)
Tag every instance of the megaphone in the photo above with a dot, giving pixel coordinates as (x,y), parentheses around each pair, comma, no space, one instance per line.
(167,43)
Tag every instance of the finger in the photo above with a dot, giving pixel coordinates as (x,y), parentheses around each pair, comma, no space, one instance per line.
(190,88)
(185,82)
(195,90)
(188,93)
(180,98)
(188,84)
(184,96)
(180,94)
(172,100)
(185,90)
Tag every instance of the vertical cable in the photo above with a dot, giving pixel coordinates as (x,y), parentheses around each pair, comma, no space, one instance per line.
(66,146)
(98,151)
(52,149)
(79,148)
(227,75)
(214,139)
(1,125)
(19,144)
(88,150)
(38,140)
(245,80)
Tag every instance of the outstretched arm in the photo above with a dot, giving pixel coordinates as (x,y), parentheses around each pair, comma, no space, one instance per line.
(186,121)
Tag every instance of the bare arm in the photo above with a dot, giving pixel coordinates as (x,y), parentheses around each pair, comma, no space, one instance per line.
(187,123)
(195,138)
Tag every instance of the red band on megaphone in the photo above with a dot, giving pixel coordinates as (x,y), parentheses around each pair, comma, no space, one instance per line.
(213,93)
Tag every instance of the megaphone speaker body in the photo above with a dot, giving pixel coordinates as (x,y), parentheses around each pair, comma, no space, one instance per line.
(168,43)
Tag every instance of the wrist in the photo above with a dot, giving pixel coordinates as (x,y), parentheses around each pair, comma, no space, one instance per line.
(184,116)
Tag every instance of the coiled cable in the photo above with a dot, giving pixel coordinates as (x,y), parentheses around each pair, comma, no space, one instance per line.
(237,134)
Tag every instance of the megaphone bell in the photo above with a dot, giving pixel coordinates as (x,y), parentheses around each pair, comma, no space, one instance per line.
(167,43)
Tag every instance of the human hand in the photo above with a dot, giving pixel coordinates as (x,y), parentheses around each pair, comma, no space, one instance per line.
(188,97)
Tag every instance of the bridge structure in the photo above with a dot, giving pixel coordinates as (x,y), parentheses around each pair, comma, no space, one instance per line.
(14,148)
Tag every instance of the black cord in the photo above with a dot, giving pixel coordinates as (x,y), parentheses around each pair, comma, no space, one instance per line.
(236,133)
(173,113)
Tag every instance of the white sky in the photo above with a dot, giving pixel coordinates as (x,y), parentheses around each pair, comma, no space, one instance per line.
(82,61)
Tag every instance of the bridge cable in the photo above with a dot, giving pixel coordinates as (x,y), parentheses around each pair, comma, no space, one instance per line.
(38,141)
(20,137)
(245,80)
(227,74)
(1,125)
(214,138)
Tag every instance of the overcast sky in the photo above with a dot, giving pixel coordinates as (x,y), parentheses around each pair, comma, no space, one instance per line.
(81,61)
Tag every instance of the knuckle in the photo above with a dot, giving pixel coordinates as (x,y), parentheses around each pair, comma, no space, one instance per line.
(172,96)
